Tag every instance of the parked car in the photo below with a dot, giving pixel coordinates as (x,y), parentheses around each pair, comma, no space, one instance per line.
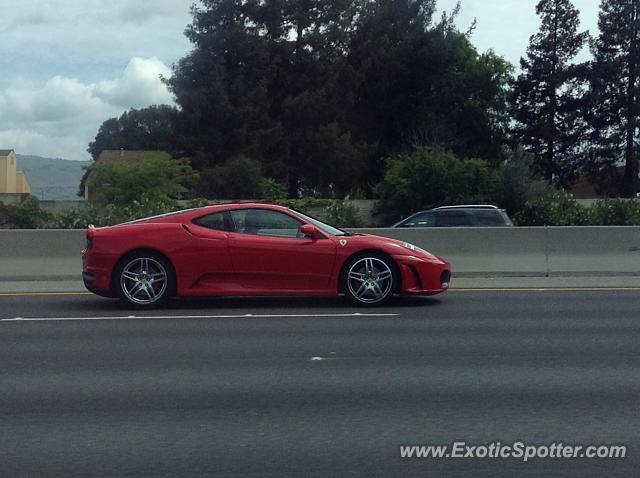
(252,249)
(458,216)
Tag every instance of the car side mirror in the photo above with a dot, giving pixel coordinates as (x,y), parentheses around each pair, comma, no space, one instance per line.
(309,230)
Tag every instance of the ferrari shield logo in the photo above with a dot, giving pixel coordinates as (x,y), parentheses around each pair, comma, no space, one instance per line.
(343,242)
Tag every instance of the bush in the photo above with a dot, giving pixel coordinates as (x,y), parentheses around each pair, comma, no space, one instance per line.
(78,218)
(156,177)
(305,205)
(271,190)
(554,207)
(616,212)
(196,202)
(110,214)
(342,214)
(518,185)
(27,214)
(430,177)
(333,211)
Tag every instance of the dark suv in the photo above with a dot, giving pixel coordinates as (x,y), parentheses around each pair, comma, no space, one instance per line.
(458,216)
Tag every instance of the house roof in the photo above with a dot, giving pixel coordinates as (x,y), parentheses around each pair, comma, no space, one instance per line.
(125,155)
(5,152)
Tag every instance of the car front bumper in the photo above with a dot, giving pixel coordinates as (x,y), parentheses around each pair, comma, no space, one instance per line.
(423,275)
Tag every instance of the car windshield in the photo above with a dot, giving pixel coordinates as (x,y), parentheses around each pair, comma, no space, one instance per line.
(334,231)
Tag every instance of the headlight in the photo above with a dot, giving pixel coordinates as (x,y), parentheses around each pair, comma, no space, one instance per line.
(416,248)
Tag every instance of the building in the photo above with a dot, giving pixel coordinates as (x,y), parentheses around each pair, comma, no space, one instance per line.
(118,156)
(12,181)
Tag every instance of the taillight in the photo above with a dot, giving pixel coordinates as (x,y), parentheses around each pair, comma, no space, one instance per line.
(91,231)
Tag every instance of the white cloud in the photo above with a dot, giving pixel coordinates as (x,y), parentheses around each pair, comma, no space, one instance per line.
(57,99)
(138,86)
(93,18)
(140,12)
(60,117)
(40,144)
(88,39)
(69,65)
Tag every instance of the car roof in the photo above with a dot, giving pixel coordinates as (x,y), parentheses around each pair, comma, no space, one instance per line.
(445,208)
(468,206)
(189,214)
(235,205)
(244,205)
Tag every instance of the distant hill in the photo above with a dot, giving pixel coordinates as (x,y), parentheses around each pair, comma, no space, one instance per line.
(52,178)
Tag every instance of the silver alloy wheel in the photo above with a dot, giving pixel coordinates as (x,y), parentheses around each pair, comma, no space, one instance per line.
(143,280)
(370,280)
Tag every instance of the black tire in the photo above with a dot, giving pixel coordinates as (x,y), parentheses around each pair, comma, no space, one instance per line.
(370,279)
(144,280)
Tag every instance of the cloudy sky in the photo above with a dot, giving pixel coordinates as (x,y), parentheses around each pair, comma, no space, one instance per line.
(68,65)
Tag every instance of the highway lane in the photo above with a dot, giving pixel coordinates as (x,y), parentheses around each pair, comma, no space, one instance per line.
(304,388)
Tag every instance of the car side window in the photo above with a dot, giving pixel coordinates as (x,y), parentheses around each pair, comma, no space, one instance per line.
(426,219)
(490,217)
(265,222)
(452,219)
(214,221)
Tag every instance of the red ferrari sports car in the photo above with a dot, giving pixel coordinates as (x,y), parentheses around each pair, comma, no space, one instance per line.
(252,250)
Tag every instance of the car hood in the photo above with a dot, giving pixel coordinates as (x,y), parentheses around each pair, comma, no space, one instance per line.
(388,244)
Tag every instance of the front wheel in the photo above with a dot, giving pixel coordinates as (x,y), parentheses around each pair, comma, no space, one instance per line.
(144,280)
(370,279)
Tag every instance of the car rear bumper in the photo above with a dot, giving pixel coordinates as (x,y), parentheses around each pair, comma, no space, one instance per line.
(423,276)
(96,283)
(96,279)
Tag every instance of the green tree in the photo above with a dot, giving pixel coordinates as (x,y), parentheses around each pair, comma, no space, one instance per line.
(149,128)
(431,177)
(615,105)
(319,91)
(548,93)
(237,178)
(423,82)
(154,178)
(519,184)
(266,80)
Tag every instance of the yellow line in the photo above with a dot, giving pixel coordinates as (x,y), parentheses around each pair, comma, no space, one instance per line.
(550,289)
(22,294)
(488,289)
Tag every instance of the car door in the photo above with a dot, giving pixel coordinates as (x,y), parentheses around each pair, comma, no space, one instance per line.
(453,218)
(269,253)
(491,218)
(206,257)
(425,219)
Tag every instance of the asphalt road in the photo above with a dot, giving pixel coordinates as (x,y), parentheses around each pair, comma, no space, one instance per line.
(305,388)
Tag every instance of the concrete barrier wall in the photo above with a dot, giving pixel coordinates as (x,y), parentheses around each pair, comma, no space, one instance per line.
(503,251)
(530,251)
(40,254)
(594,249)
(518,251)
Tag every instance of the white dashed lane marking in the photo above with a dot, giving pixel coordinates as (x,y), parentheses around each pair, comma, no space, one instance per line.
(155,317)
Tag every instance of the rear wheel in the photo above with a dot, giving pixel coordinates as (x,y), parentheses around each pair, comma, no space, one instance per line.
(144,280)
(370,279)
